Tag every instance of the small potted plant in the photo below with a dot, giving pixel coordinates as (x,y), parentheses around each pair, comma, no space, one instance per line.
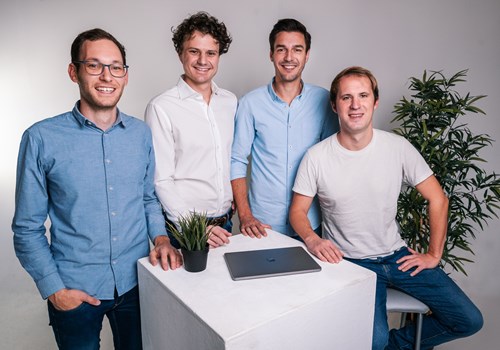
(193,234)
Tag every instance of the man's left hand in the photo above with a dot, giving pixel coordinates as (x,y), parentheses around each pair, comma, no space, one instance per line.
(166,253)
(421,261)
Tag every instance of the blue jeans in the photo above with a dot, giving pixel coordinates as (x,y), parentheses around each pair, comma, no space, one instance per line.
(223,221)
(80,328)
(453,315)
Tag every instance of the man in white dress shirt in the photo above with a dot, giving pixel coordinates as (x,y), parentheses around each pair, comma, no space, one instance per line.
(192,125)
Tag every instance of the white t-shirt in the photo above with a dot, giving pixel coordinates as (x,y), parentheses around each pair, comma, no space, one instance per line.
(358,191)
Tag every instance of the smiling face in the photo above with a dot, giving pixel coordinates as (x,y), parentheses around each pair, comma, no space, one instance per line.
(200,60)
(355,104)
(289,56)
(98,92)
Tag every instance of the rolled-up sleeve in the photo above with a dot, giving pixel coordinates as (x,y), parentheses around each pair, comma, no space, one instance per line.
(244,133)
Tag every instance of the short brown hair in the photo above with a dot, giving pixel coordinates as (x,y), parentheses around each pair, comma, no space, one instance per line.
(355,70)
(289,25)
(94,35)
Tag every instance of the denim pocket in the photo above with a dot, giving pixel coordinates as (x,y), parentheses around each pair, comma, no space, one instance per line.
(53,309)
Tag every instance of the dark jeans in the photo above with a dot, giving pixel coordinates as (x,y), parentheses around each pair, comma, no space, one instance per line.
(80,328)
(453,315)
(223,221)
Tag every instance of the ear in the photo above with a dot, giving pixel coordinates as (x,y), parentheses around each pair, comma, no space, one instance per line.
(332,103)
(125,79)
(375,105)
(73,74)
(271,55)
(307,55)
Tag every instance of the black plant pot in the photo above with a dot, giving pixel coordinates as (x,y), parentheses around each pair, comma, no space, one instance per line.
(195,260)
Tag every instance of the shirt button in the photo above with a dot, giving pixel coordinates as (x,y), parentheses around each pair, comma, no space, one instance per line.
(113,213)
(111,188)
(114,262)
(114,239)
(108,161)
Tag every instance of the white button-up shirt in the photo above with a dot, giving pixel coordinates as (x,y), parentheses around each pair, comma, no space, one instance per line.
(192,142)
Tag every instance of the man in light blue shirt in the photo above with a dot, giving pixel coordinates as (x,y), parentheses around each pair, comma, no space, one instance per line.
(276,124)
(91,172)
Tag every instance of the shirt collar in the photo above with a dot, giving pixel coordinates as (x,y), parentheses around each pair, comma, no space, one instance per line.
(275,97)
(80,118)
(186,91)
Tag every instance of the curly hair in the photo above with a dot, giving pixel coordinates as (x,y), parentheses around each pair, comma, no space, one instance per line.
(206,24)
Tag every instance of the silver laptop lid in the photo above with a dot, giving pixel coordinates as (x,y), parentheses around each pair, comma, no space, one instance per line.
(269,262)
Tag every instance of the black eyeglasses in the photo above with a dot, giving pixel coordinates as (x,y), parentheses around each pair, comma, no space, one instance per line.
(96,68)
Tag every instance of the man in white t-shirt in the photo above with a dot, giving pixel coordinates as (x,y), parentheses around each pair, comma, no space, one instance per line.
(357,175)
(192,125)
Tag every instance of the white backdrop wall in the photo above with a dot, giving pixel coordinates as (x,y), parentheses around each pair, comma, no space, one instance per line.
(396,39)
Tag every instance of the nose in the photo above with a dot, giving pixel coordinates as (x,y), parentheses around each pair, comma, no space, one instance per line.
(202,58)
(106,73)
(288,55)
(354,103)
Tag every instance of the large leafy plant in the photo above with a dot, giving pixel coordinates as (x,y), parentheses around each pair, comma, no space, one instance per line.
(193,232)
(434,121)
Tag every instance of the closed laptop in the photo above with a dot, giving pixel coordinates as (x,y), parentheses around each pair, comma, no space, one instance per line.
(250,264)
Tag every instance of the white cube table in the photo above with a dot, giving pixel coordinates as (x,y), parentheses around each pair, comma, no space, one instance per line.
(331,309)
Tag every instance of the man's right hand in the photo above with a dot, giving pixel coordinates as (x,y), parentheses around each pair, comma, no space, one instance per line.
(69,299)
(323,249)
(250,226)
(218,236)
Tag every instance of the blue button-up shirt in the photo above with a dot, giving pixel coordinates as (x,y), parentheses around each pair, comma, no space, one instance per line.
(277,135)
(97,189)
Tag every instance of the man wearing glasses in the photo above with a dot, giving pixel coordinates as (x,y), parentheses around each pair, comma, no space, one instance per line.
(91,172)
(192,125)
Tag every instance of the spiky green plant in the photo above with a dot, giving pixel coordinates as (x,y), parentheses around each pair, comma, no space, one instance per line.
(433,121)
(193,232)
